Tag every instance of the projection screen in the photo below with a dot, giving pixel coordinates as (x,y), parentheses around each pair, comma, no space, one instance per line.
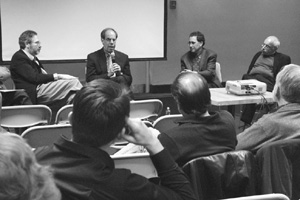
(70,29)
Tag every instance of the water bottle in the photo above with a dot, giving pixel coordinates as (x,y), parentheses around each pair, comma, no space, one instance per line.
(168,111)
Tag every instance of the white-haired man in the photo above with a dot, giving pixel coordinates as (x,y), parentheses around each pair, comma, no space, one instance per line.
(284,122)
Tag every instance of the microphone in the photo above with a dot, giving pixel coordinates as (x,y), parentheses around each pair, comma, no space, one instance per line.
(113,60)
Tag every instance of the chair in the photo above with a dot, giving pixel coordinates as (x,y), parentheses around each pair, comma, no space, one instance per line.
(274,196)
(218,72)
(224,175)
(279,168)
(139,163)
(46,135)
(145,109)
(25,116)
(166,122)
(62,114)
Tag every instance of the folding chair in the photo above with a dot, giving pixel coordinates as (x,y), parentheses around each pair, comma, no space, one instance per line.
(145,109)
(39,136)
(62,114)
(25,116)
(166,122)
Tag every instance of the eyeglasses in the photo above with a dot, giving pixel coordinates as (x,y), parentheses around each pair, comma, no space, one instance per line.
(266,45)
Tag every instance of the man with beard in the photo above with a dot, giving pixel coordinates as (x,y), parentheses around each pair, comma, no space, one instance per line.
(200,59)
(29,74)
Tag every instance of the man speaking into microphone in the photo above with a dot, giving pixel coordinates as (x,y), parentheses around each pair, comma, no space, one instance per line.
(108,63)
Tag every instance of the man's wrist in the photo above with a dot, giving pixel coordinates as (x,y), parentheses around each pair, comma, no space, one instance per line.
(55,76)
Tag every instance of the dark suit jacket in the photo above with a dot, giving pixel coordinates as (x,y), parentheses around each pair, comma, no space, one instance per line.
(27,74)
(97,68)
(280,60)
(206,66)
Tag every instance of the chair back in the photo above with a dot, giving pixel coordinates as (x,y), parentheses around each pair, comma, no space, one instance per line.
(275,196)
(279,168)
(139,163)
(25,116)
(166,122)
(224,175)
(46,135)
(144,109)
(218,72)
(63,113)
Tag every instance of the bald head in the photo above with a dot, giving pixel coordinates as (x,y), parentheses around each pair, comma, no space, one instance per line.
(191,92)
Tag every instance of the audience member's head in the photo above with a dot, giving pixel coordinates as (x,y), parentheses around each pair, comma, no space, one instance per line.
(191,93)
(30,43)
(21,177)
(109,38)
(270,45)
(287,87)
(99,112)
(196,41)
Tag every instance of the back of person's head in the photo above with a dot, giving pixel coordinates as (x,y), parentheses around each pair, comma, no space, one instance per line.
(191,92)
(102,34)
(288,83)
(25,38)
(21,177)
(99,112)
(199,35)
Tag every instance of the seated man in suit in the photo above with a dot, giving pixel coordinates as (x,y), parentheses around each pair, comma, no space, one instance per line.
(108,63)
(82,166)
(28,73)
(264,67)
(199,132)
(200,59)
(284,122)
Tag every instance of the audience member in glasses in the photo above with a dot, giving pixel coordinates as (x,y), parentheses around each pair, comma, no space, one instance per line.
(264,67)
(83,169)
(200,59)
(29,74)
(284,122)
(108,63)
(199,132)
(21,177)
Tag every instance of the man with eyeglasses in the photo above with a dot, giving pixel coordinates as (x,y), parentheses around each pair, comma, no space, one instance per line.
(200,59)
(264,67)
(108,63)
(29,74)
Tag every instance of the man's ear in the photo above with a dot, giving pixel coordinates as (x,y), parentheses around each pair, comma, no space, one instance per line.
(70,117)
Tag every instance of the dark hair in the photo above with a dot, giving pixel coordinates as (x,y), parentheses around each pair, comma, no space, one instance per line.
(199,35)
(191,92)
(99,112)
(102,35)
(26,38)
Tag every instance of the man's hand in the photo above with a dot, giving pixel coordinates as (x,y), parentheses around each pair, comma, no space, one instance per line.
(138,133)
(115,67)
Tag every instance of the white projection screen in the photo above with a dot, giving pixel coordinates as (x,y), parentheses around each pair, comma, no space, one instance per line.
(70,29)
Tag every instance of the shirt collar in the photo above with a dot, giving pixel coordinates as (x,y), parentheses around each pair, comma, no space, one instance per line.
(31,57)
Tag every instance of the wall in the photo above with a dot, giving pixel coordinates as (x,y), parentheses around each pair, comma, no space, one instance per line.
(235,29)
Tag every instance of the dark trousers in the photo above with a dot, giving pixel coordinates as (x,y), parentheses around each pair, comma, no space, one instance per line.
(15,98)
(249,109)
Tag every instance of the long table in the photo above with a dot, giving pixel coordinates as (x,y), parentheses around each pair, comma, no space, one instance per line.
(220,97)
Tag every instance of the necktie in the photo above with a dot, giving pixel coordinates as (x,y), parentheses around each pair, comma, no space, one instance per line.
(109,64)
